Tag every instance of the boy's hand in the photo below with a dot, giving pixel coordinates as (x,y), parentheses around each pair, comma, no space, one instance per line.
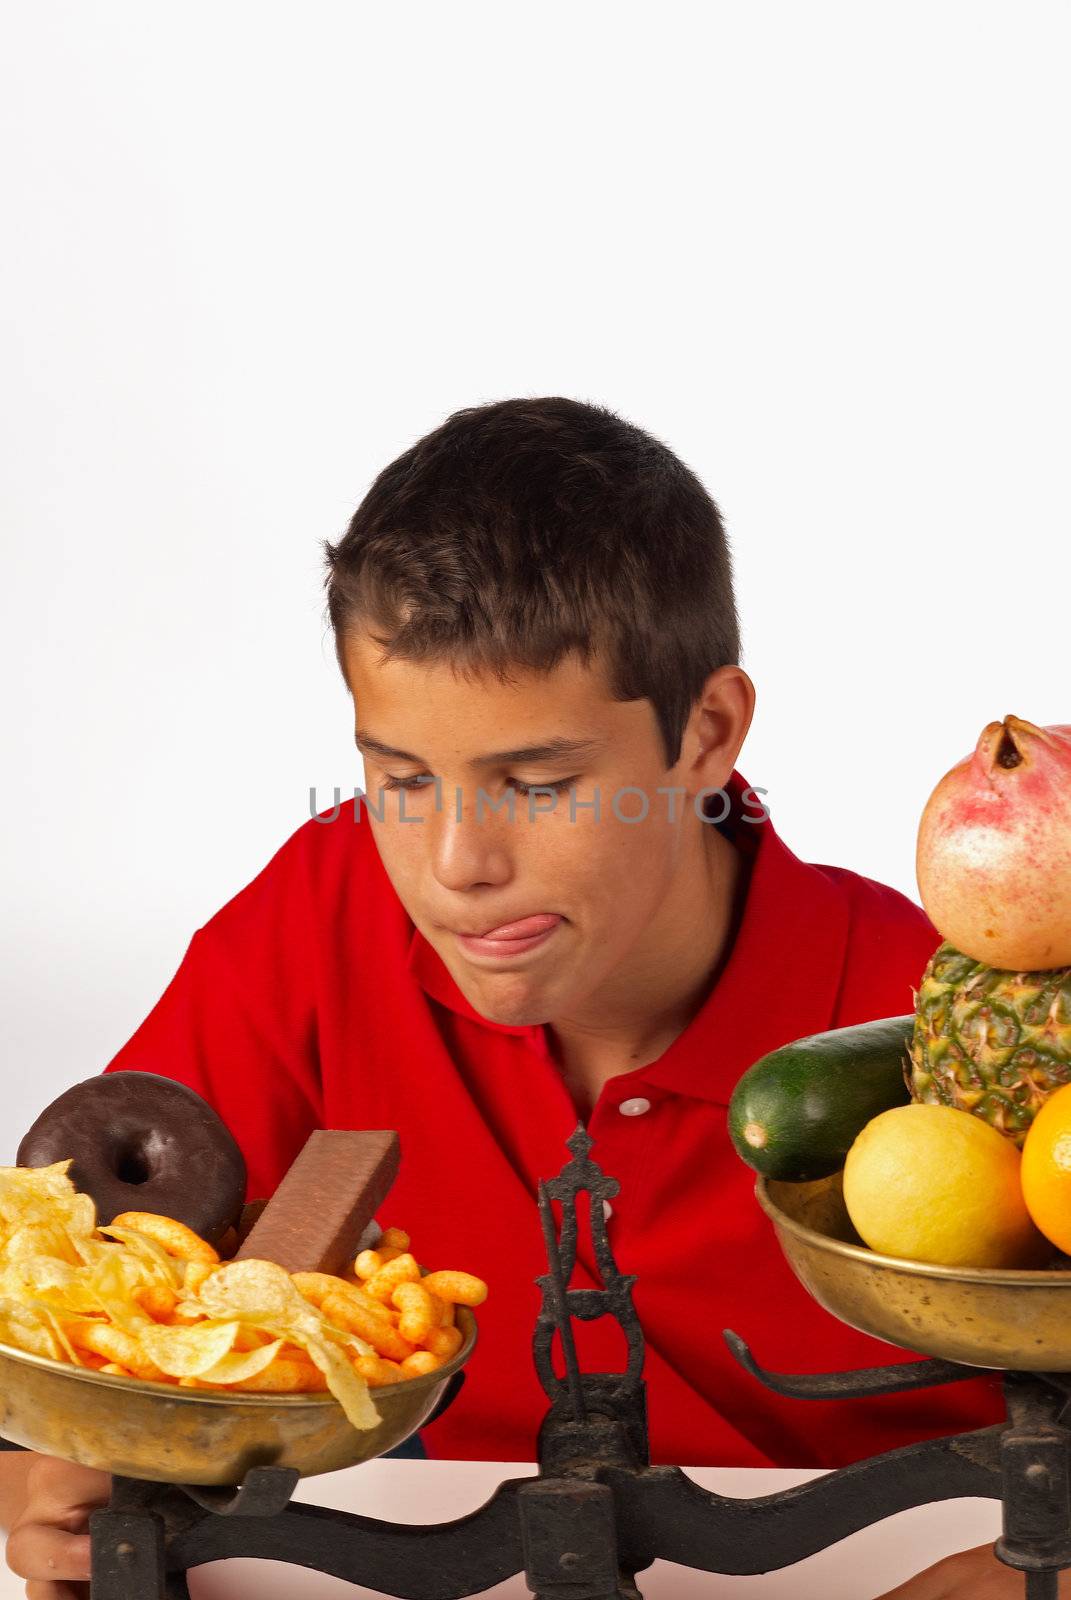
(970,1575)
(49,1540)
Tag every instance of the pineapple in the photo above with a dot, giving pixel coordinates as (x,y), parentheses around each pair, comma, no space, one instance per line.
(991,1042)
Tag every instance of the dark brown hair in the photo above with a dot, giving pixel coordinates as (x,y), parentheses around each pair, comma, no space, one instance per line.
(521,530)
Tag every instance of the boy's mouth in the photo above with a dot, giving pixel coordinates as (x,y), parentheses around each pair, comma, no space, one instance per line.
(511,938)
(519,928)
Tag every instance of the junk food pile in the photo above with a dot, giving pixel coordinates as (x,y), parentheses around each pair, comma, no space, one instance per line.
(125,1249)
(950,1127)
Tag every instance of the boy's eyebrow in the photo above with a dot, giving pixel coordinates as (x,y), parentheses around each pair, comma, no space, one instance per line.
(550,750)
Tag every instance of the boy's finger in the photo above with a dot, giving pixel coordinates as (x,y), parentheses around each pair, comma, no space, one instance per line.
(56,1591)
(46,1554)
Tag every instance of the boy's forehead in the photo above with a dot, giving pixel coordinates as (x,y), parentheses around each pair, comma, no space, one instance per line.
(572,682)
(400,702)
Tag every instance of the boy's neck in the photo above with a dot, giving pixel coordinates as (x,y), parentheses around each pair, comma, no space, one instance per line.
(693,944)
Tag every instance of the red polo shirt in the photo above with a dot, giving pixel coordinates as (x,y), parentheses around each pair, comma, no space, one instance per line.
(310,1000)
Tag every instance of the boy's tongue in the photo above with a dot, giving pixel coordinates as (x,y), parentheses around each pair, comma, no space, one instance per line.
(526,928)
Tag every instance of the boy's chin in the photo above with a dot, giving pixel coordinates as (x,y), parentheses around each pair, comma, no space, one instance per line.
(507,998)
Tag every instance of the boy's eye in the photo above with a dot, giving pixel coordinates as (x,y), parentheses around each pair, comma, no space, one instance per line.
(522,788)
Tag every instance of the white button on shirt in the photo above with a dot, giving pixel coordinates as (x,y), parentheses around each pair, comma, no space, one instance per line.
(634,1108)
(607,1210)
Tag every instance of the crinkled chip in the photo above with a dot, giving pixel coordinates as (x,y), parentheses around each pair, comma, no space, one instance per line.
(347,1386)
(241,1364)
(37,1276)
(109,1286)
(44,1194)
(252,1289)
(163,1267)
(38,1239)
(187,1352)
(60,1334)
(27,1328)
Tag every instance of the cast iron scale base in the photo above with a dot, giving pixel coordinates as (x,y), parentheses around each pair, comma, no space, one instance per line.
(598,1513)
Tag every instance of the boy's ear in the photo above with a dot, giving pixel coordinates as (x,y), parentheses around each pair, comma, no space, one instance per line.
(718,726)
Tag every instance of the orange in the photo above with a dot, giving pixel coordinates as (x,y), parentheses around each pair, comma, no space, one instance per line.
(1046,1169)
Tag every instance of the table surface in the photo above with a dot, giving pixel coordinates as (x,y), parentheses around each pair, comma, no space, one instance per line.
(866,1565)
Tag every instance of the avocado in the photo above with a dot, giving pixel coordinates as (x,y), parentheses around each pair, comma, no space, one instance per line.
(795,1113)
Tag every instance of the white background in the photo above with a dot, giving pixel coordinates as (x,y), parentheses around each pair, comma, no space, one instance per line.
(252,251)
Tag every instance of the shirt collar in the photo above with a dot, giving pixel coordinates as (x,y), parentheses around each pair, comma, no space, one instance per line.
(779,982)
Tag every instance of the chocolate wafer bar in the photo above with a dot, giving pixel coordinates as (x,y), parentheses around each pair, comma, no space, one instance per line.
(316,1216)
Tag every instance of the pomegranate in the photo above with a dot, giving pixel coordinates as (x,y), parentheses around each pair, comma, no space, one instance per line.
(994,849)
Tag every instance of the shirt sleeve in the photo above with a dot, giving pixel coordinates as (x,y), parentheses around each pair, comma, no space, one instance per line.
(238,1022)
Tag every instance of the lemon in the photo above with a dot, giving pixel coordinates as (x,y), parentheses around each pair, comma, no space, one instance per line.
(936,1184)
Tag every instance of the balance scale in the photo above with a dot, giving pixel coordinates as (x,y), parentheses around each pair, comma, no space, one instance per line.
(224,1466)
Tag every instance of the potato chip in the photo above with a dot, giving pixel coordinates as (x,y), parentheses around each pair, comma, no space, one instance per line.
(256,1290)
(242,1364)
(61,1336)
(36,1275)
(348,1388)
(109,1286)
(28,1329)
(166,1268)
(88,1249)
(39,1239)
(187,1352)
(43,1194)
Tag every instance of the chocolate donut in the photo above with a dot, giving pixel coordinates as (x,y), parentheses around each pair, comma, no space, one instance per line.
(139,1142)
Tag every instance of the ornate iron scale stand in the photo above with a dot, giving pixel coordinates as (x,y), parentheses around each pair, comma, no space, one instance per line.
(599,1513)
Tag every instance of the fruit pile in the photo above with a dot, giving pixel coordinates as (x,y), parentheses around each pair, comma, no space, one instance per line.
(953,1123)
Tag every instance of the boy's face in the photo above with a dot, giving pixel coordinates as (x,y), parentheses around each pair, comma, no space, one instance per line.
(459,865)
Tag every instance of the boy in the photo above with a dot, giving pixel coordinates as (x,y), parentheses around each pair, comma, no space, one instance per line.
(559,901)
